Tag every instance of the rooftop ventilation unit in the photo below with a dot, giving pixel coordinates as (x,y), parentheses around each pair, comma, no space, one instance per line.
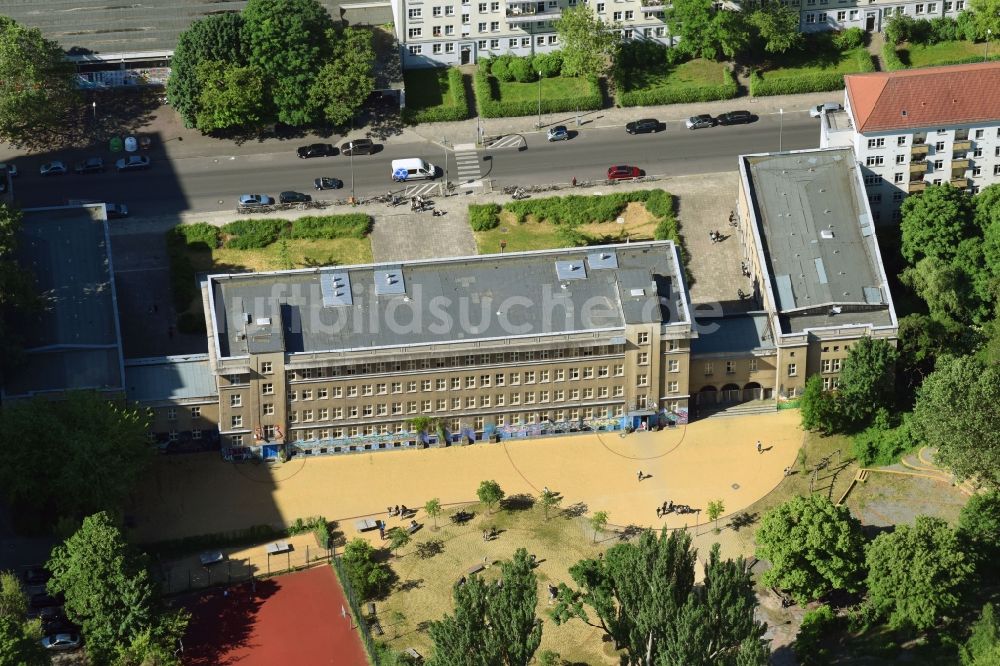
(826,234)
(389,282)
(638,292)
(603,259)
(336,289)
(263,321)
(571,270)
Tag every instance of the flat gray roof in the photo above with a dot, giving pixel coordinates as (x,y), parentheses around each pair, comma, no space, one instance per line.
(73,343)
(738,334)
(170,378)
(816,233)
(448,300)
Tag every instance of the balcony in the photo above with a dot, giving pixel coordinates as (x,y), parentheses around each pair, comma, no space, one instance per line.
(959,165)
(961,183)
(919,150)
(960,146)
(651,6)
(528,13)
(916,186)
(918,167)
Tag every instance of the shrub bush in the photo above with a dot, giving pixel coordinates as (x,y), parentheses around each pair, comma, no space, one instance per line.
(491,106)
(484,217)
(253,234)
(884,441)
(549,64)
(200,233)
(897,28)
(817,626)
(500,68)
(943,29)
(890,58)
(459,110)
(805,82)
(522,70)
(350,225)
(851,38)
(967,27)
(680,94)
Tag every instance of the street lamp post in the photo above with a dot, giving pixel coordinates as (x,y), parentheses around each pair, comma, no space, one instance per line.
(94,105)
(539,100)
(444,144)
(781,126)
(352,173)
(986,56)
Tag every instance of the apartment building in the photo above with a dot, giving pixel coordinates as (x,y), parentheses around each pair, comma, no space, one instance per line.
(343,359)
(436,34)
(871,16)
(917,127)
(808,240)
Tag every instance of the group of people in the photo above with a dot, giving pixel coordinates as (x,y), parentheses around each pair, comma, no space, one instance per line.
(398,510)
(667,507)
(490,534)
(716,236)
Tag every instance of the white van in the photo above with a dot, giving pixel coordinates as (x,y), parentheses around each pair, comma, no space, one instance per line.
(415,169)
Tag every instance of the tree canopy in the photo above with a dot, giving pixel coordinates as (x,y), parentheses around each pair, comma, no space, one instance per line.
(489,493)
(38,93)
(958,412)
(109,452)
(19,636)
(343,85)
(109,592)
(215,38)
(814,548)
(983,646)
(644,598)
(866,380)
(979,526)
(588,44)
(915,573)
(986,16)
(366,576)
(493,624)
(17,294)
(776,25)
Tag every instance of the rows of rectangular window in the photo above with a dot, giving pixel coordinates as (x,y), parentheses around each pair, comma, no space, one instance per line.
(482,401)
(465,360)
(730,366)
(172,413)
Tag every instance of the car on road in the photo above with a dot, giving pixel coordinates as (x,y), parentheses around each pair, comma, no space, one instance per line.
(132,163)
(61,642)
(316,150)
(255,200)
(116,211)
(294,197)
(699,121)
(623,172)
(735,118)
(90,165)
(210,557)
(825,107)
(326,183)
(36,575)
(358,147)
(54,168)
(645,126)
(557,133)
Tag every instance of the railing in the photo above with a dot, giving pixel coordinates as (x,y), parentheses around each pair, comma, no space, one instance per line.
(961,144)
(918,167)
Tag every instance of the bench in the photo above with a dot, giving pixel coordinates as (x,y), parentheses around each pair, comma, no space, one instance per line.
(475,568)
(365,524)
(377,628)
(278,547)
(414,526)
(410,652)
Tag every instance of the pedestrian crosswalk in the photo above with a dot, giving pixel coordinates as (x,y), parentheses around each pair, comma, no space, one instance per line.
(422,189)
(467,164)
(506,141)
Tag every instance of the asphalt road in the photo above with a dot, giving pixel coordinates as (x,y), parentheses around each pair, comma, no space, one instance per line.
(196,184)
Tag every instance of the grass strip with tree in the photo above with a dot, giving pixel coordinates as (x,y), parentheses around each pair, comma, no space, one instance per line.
(435,95)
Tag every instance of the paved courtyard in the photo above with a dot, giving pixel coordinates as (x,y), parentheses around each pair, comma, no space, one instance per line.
(707,460)
(405,236)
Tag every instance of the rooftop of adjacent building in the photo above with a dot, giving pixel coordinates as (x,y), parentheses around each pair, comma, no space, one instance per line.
(925,98)
(441,301)
(736,334)
(170,378)
(819,246)
(73,341)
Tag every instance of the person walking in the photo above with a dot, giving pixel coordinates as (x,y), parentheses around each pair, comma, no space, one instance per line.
(639,475)
(760,447)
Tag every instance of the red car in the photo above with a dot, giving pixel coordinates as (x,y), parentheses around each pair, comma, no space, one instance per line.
(622,172)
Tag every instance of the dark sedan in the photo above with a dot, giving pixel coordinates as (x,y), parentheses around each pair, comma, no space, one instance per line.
(316,150)
(735,118)
(328,183)
(645,126)
(623,172)
(294,197)
(358,147)
(90,165)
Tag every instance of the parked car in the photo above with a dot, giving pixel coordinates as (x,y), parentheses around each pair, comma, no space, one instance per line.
(645,126)
(316,150)
(11,169)
(132,163)
(825,107)
(255,200)
(116,211)
(54,168)
(358,147)
(623,172)
(735,118)
(325,183)
(36,575)
(208,558)
(558,133)
(699,121)
(294,197)
(61,642)
(90,165)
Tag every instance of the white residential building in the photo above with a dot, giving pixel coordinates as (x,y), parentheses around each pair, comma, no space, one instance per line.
(435,33)
(917,127)
(870,16)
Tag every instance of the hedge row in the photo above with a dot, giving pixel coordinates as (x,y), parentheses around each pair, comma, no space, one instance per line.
(803,83)
(254,234)
(574,210)
(484,217)
(183,280)
(459,110)
(681,94)
(491,106)
(890,59)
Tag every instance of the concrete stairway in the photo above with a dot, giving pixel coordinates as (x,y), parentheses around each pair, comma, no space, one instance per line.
(738,409)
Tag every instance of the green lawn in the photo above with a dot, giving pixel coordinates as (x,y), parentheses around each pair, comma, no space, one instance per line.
(557,87)
(824,62)
(302,253)
(942,53)
(519,237)
(427,88)
(697,72)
